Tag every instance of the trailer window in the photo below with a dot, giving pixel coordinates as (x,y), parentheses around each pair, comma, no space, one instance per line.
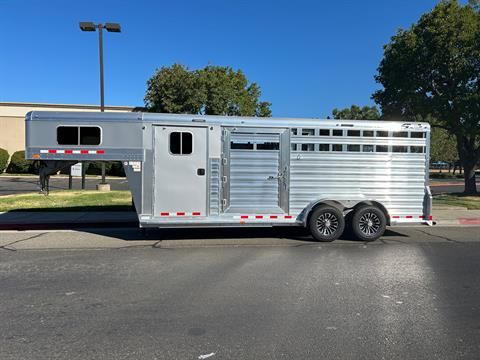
(241,146)
(368,133)
(67,135)
(382,133)
(353,148)
(382,148)
(324,147)
(353,132)
(294,131)
(268,146)
(368,148)
(181,143)
(324,132)
(90,135)
(416,149)
(337,132)
(336,147)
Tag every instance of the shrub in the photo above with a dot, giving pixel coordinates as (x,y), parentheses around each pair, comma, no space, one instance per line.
(95,167)
(3,160)
(19,165)
(116,169)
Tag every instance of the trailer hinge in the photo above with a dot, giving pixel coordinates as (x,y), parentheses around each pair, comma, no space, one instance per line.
(224,203)
(224,161)
(224,179)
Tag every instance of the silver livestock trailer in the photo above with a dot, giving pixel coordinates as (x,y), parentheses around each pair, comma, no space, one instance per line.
(195,170)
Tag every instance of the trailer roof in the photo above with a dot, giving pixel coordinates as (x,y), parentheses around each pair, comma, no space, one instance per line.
(188,119)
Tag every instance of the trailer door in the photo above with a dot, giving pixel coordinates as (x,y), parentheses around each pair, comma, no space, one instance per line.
(256,170)
(180,184)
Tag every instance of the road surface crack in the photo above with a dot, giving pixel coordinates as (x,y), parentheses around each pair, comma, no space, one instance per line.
(7,246)
(440,236)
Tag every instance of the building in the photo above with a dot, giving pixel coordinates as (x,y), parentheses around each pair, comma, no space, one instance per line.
(12,119)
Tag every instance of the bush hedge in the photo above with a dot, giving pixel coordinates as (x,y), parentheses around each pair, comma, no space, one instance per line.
(19,165)
(3,160)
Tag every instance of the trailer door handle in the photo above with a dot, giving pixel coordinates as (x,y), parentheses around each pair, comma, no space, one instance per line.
(200,172)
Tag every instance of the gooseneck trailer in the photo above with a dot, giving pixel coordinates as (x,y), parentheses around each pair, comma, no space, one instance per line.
(195,170)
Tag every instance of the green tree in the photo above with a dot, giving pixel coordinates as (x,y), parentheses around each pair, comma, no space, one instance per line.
(443,146)
(432,69)
(213,90)
(357,113)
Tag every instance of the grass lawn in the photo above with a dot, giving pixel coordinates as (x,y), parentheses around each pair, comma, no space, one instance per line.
(68,201)
(470,202)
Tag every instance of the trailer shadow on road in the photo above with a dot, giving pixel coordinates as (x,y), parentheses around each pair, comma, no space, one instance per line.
(201,234)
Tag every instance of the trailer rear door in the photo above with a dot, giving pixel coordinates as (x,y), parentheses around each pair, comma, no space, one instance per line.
(180,184)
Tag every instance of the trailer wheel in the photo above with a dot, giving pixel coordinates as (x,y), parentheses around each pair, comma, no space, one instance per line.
(326,223)
(368,223)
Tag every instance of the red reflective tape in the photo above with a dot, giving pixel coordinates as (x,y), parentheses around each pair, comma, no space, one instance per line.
(83,151)
(409,217)
(258,216)
(164,214)
(100,151)
(273,217)
(68,151)
(196,213)
(244,217)
(430,217)
(421,217)
(52,151)
(181,213)
(396,217)
(288,217)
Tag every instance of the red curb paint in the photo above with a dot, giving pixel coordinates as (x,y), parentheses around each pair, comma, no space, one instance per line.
(469,221)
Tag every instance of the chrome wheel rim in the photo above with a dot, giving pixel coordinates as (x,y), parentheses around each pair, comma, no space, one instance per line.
(327,223)
(369,223)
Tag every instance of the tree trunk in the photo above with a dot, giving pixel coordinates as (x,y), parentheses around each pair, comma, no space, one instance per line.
(468,161)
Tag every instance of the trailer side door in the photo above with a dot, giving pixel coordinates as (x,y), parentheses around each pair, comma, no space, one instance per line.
(180,184)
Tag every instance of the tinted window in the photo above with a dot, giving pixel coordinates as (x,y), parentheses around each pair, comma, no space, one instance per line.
(175,143)
(354,148)
(324,132)
(241,146)
(89,135)
(294,131)
(382,148)
(324,147)
(336,147)
(353,132)
(67,135)
(337,132)
(368,133)
(268,146)
(187,143)
(382,133)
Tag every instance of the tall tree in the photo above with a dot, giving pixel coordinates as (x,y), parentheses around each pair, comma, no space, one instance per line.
(357,113)
(433,69)
(213,90)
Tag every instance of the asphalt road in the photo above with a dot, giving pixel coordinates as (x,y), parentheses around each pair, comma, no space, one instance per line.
(21,184)
(265,294)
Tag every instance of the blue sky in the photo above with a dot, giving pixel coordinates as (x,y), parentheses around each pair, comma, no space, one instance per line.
(307,56)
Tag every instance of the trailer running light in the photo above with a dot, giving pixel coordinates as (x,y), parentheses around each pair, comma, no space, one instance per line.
(69,152)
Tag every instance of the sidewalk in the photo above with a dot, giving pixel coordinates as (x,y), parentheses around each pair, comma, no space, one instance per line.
(43,220)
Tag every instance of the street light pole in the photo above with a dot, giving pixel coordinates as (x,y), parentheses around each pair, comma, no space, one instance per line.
(110,27)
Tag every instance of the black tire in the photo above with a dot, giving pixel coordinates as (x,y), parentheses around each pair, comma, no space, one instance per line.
(368,223)
(326,223)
